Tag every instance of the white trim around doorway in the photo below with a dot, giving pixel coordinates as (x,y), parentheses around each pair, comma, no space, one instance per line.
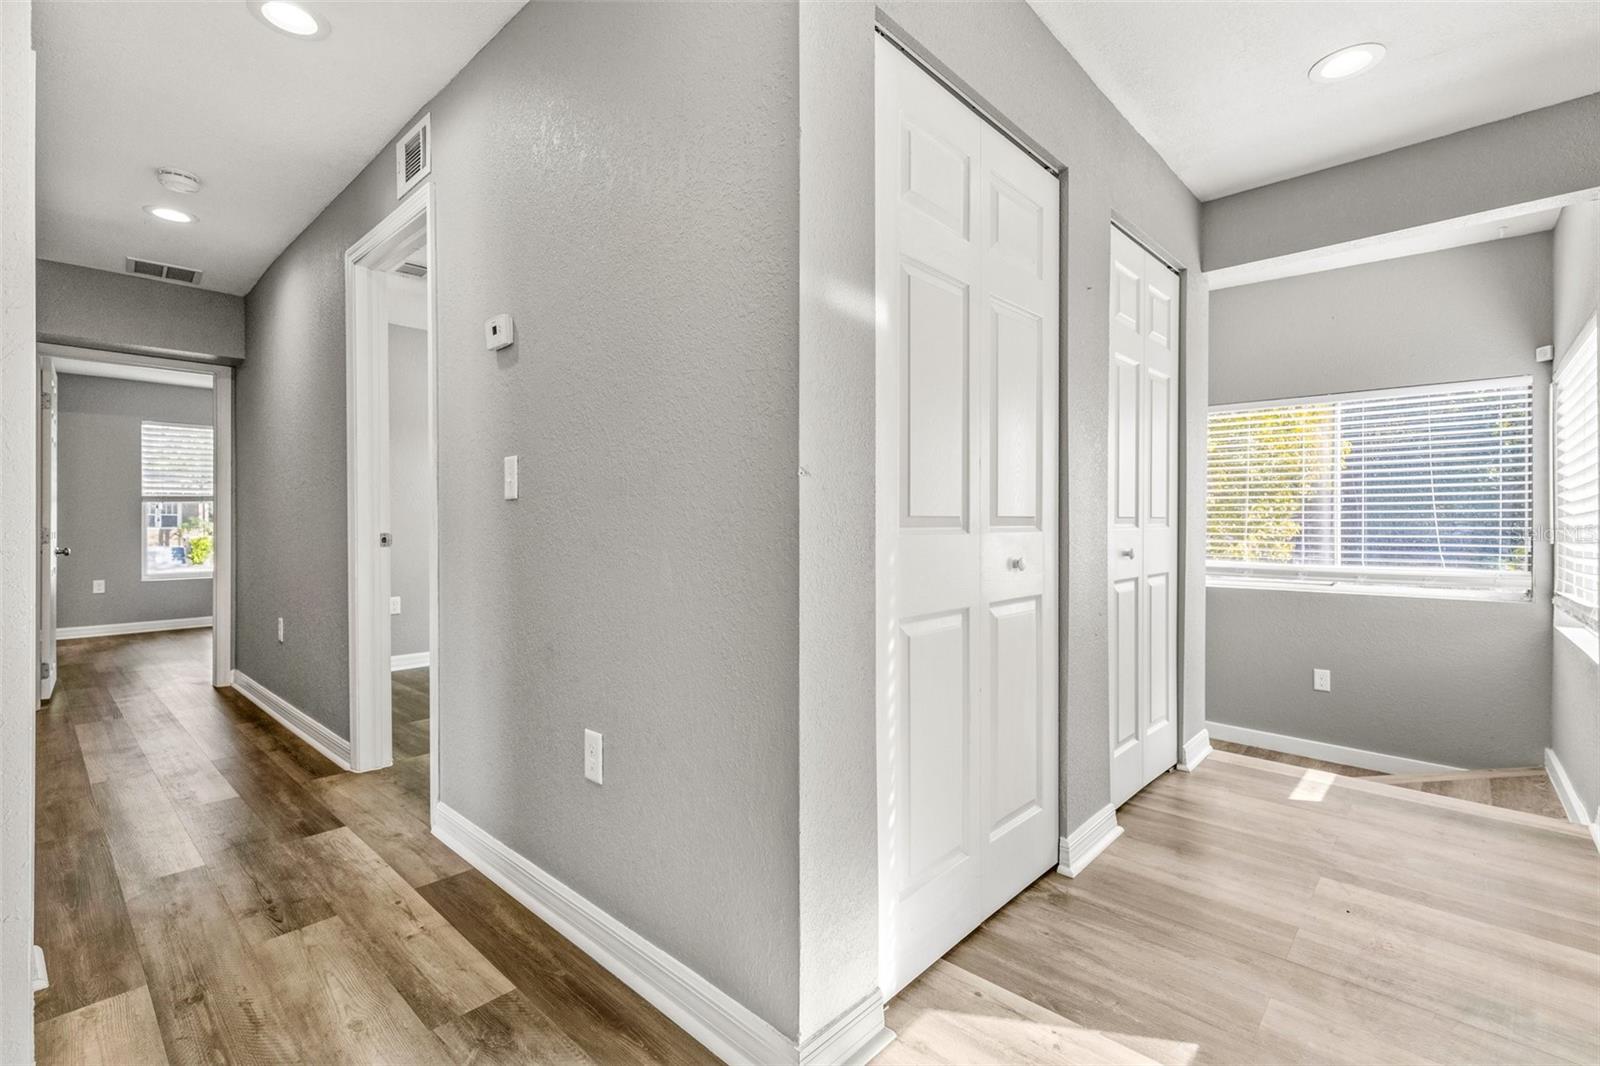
(221,618)
(367,425)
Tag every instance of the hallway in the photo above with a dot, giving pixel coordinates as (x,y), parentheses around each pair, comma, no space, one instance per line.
(211,889)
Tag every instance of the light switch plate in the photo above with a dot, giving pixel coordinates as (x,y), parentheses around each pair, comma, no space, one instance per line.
(592,756)
(498,332)
(1322,680)
(510,473)
(394,604)
(97,587)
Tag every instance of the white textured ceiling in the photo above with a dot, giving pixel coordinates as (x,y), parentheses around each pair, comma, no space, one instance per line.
(275,127)
(1219,89)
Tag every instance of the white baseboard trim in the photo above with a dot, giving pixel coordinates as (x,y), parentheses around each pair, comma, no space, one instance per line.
(1571,802)
(1195,751)
(117,629)
(1080,847)
(730,1030)
(1316,749)
(852,1039)
(294,719)
(409,661)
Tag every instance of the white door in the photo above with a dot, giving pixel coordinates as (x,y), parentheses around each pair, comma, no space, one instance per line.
(1142,620)
(48,534)
(968,405)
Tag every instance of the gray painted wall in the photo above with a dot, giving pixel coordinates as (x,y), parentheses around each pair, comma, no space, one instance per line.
(409,489)
(121,311)
(1450,681)
(1575,681)
(1577,271)
(1549,152)
(99,514)
(622,179)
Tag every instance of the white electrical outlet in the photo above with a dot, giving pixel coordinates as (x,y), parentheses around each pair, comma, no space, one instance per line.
(280,631)
(510,472)
(592,756)
(1322,680)
(394,604)
(98,587)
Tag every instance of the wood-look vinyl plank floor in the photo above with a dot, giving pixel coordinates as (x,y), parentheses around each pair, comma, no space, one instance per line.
(210,889)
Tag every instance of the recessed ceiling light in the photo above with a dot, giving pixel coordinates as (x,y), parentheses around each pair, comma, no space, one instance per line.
(168,214)
(1347,62)
(289,18)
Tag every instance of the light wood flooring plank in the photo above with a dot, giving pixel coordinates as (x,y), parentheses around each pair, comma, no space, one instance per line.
(119,1030)
(212,1000)
(348,1010)
(435,968)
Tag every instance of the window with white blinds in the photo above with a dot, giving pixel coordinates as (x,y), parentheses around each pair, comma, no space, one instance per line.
(175,460)
(1412,488)
(177,525)
(1576,477)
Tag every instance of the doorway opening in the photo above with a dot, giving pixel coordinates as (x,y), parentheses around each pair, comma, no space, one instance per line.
(392,385)
(135,502)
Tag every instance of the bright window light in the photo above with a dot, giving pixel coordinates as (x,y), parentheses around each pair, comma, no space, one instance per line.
(1414,488)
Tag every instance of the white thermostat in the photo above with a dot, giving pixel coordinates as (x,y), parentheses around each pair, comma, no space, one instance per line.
(498,332)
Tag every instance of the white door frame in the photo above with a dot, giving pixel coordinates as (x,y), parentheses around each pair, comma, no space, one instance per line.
(366,265)
(222,476)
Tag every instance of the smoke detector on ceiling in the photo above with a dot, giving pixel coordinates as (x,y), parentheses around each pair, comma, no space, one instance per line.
(175,180)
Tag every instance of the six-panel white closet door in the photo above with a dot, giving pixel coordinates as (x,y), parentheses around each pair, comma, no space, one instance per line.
(968,400)
(1142,623)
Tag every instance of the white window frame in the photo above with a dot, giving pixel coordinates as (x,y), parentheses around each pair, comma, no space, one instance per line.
(196,574)
(1568,612)
(1511,586)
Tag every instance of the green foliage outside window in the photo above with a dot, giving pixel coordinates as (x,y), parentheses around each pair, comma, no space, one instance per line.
(1256,510)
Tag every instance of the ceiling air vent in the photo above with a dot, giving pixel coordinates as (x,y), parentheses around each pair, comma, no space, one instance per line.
(413,157)
(145,268)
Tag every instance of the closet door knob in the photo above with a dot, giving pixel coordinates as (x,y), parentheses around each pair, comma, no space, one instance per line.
(1016,563)
(1126,553)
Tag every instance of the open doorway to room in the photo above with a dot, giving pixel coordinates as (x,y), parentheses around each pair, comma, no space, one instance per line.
(134,510)
(393,531)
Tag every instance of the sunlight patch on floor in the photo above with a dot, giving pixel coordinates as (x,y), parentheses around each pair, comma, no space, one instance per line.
(1313,786)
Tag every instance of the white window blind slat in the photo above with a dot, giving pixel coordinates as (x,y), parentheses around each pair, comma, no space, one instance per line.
(1575,473)
(1430,486)
(175,461)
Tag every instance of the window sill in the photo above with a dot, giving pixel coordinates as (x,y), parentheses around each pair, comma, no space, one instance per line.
(1350,588)
(202,575)
(1586,640)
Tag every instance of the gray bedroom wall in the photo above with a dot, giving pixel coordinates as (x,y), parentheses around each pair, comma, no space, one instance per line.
(99,515)
(1459,682)
(1549,152)
(410,489)
(99,309)
(621,178)
(1575,676)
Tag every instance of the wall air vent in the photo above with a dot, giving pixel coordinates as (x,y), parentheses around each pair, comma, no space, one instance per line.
(413,157)
(145,268)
